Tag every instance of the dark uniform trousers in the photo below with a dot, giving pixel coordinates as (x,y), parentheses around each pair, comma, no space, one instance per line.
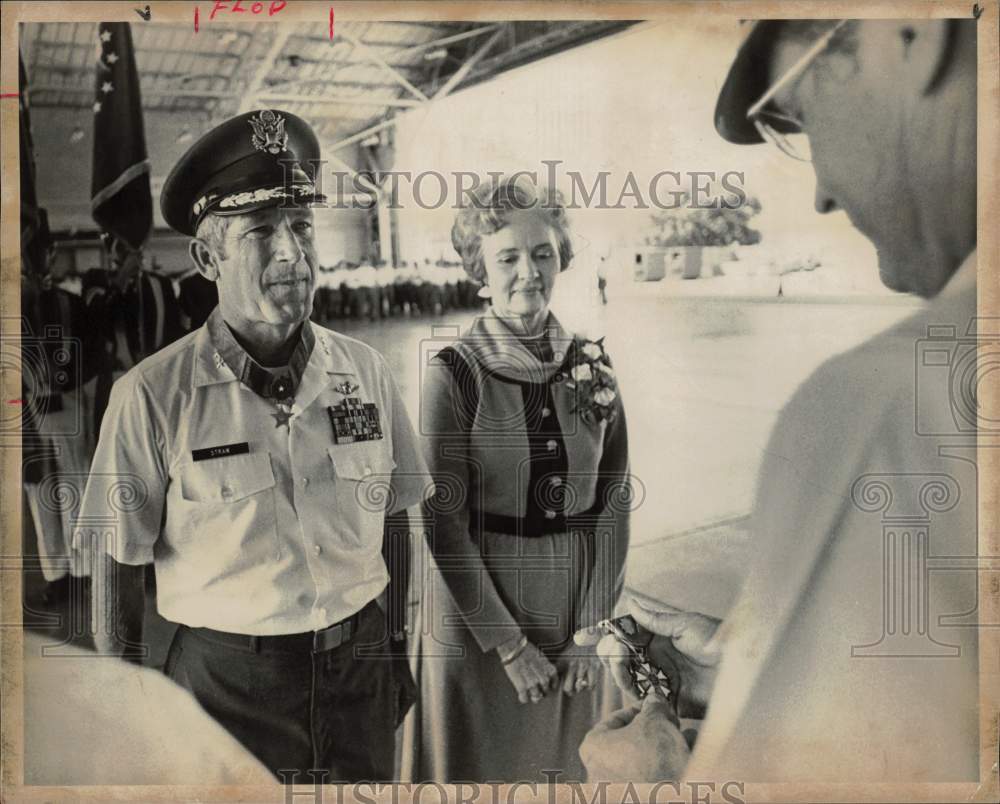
(295,709)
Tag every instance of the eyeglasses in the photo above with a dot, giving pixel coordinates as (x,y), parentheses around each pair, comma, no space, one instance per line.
(783,130)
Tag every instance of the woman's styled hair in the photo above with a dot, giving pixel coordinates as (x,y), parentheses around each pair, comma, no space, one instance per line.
(489,211)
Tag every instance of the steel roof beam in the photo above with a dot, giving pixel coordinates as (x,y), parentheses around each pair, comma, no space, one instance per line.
(327,98)
(250,94)
(459,75)
(374,57)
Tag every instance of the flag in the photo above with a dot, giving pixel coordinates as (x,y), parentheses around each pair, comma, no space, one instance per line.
(120,196)
(34,223)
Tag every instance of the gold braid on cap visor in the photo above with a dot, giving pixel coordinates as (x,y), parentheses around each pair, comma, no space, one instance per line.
(252,197)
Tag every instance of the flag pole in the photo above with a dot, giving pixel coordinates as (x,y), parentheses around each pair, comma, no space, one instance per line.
(120,192)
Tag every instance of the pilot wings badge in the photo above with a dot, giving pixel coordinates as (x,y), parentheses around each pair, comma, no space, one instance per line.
(268,132)
(346,388)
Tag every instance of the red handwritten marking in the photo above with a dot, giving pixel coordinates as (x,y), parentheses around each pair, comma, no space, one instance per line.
(237,8)
(10,94)
(331,23)
(196,19)
(15,401)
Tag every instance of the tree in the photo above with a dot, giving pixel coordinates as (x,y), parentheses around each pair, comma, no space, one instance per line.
(685,225)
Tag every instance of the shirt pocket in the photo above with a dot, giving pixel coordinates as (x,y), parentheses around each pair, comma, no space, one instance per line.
(363,482)
(231,501)
(227,480)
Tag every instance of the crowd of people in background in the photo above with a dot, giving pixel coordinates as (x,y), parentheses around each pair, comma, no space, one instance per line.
(369,289)
(372,290)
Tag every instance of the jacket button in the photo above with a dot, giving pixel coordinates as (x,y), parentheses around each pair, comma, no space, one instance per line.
(550,514)
(556,481)
(545,412)
(368,471)
(305,482)
(317,549)
(226,491)
(551,445)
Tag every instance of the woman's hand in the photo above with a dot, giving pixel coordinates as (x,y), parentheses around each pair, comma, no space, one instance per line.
(531,673)
(580,669)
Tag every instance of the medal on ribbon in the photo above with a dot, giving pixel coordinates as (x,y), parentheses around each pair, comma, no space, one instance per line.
(354,421)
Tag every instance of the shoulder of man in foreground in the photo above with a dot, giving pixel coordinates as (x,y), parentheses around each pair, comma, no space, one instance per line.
(857,408)
(848,451)
(123,725)
(882,372)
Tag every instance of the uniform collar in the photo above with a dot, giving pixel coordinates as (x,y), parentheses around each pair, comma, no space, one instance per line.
(330,366)
(220,358)
(495,345)
(209,367)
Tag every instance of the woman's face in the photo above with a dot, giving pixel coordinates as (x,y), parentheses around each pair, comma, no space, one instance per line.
(522,261)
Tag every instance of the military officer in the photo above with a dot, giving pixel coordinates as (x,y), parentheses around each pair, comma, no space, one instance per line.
(265,457)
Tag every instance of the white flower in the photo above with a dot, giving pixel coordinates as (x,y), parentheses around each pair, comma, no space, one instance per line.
(592,350)
(604,396)
(582,373)
(606,369)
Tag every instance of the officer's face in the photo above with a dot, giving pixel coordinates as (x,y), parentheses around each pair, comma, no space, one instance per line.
(522,261)
(267,272)
(853,106)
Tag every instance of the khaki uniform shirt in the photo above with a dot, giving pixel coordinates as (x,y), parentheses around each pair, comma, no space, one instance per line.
(253,527)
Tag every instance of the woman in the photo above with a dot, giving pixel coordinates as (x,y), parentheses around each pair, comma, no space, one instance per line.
(525,436)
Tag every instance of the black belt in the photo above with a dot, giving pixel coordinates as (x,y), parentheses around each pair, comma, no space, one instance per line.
(331,637)
(531,527)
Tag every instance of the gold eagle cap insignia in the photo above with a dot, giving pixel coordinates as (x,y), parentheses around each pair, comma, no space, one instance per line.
(268,132)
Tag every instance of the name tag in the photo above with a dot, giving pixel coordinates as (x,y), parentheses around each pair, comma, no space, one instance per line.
(354,420)
(221,451)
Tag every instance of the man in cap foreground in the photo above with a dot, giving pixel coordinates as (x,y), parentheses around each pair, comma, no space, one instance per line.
(850,656)
(256,463)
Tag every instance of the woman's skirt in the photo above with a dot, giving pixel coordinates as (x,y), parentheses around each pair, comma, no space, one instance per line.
(468,724)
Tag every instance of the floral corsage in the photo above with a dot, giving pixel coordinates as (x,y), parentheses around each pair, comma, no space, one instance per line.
(588,371)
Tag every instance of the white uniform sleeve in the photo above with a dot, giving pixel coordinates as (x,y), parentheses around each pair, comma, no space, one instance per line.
(123,502)
(411,480)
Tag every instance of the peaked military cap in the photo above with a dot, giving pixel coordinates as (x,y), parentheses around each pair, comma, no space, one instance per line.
(747,80)
(254,160)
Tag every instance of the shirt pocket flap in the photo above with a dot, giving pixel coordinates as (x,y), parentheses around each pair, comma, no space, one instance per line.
(363,460)
(227,480)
